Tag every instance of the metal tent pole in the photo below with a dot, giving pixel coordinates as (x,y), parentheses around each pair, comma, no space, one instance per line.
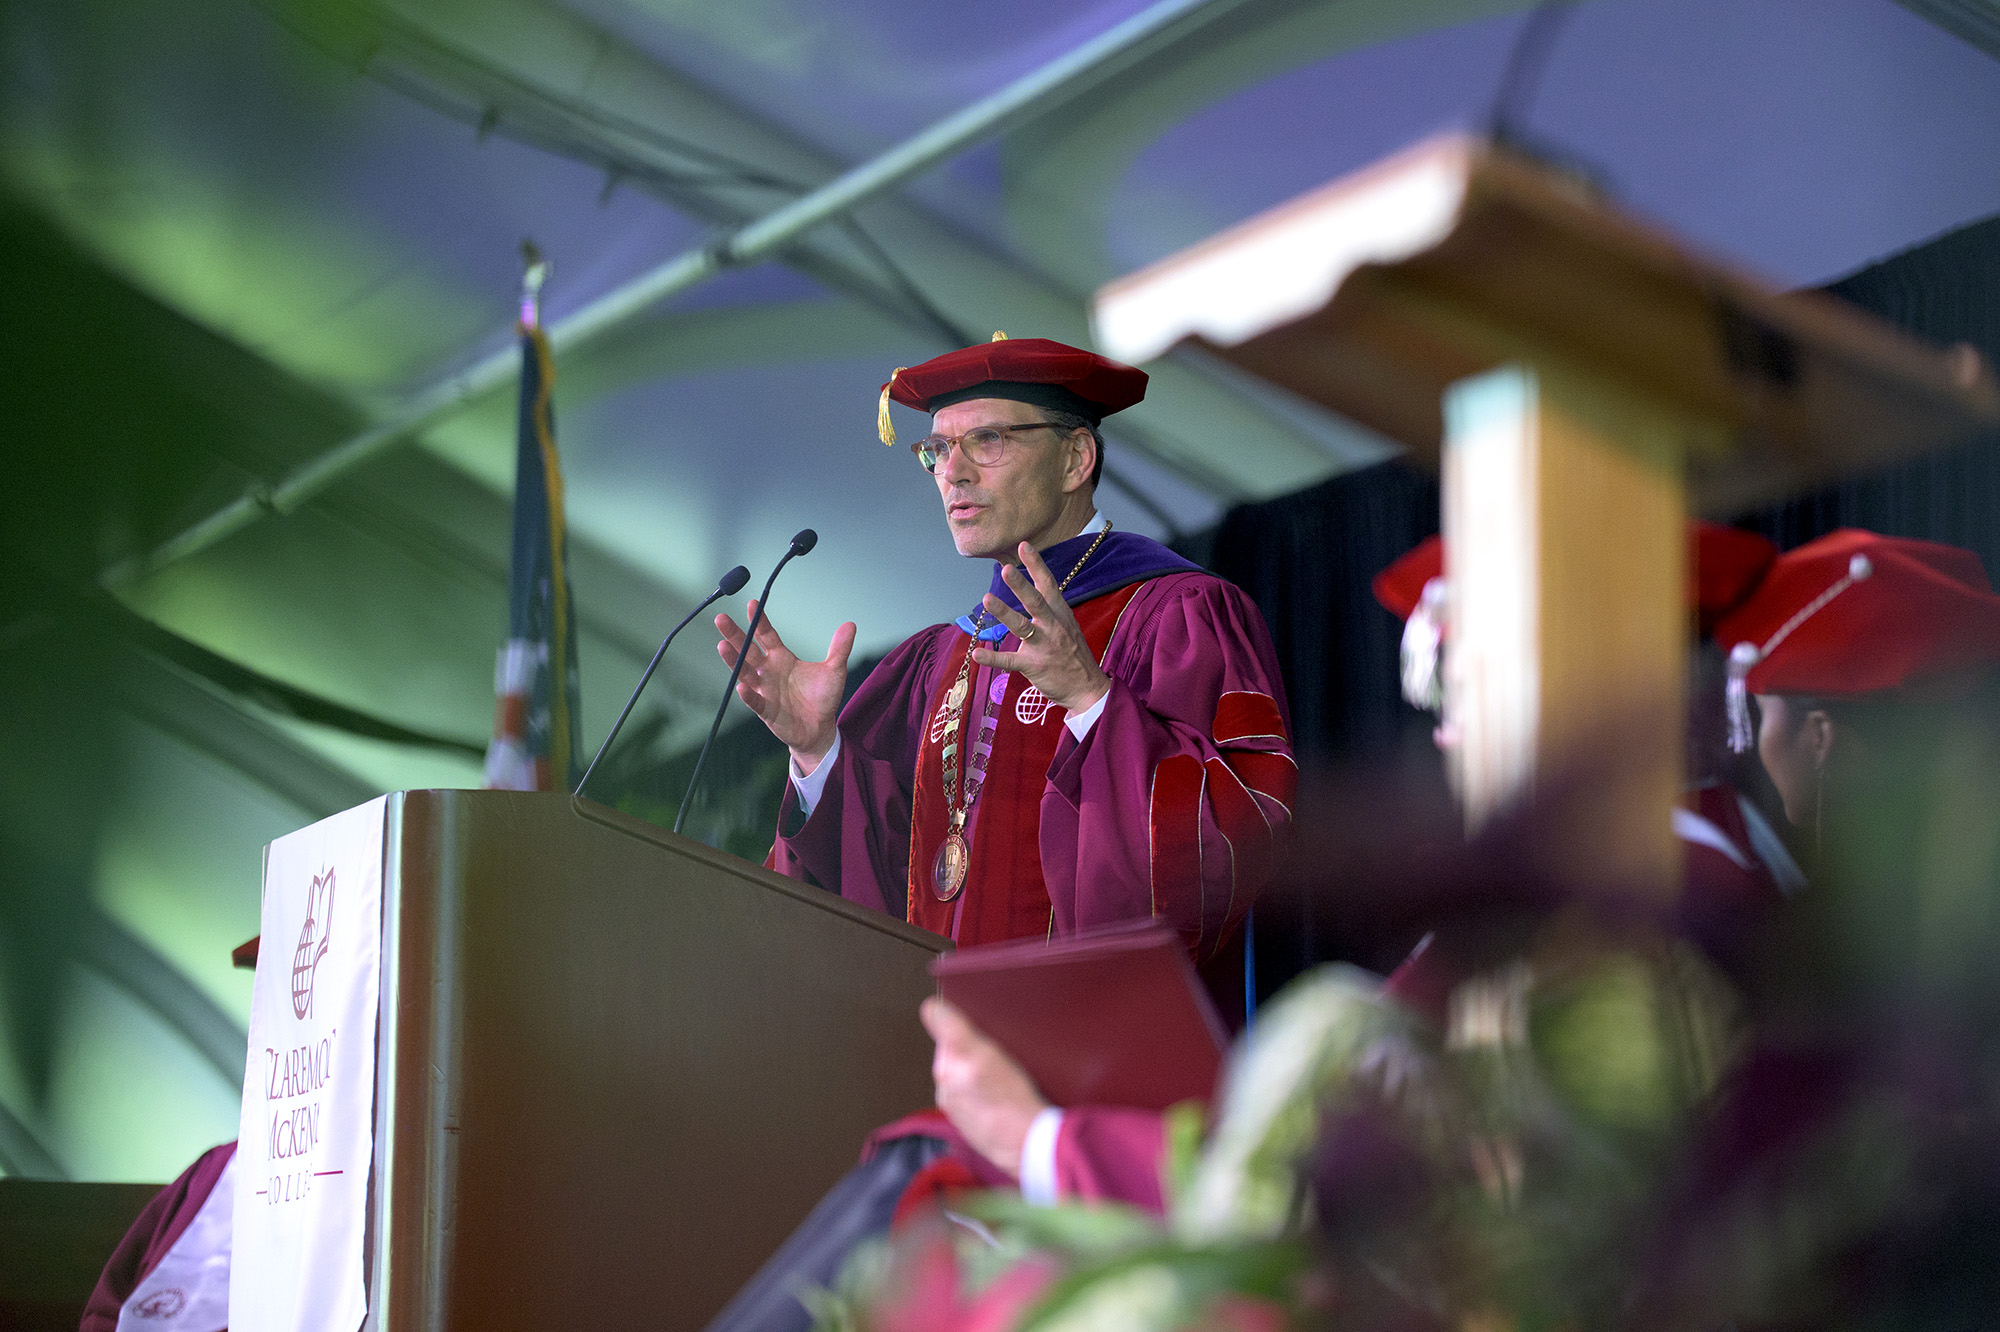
(1033,94)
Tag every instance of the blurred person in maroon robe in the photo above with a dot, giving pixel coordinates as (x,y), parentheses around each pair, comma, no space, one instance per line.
(1102,738)
(1736,869)
(174,1257)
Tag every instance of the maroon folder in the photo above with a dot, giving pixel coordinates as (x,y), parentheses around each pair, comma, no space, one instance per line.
(1114,1017)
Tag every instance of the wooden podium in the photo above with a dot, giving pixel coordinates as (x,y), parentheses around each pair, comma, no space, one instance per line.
(1583,381)
(614,1067)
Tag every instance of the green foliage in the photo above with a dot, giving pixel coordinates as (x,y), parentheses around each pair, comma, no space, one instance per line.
(1631,1040)
(1307,1039)
(1100,1231)
(1167,1285)
(1185,1126)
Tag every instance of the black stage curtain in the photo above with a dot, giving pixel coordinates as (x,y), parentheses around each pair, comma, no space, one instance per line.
(1308,558)
(1947,290)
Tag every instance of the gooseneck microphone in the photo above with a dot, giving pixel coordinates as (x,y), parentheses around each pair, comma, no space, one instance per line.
(801,544)
(732,583)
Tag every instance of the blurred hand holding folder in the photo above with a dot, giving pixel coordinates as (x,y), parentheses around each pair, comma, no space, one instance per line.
(1113,1017)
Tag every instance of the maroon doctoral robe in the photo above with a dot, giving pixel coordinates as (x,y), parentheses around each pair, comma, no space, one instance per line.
(1167,807)
(1103,1153)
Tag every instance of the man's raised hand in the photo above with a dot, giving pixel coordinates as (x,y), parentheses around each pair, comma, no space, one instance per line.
(1053,653)
(798,700)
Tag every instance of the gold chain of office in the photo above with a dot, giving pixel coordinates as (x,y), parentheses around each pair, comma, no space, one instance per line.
(954,857)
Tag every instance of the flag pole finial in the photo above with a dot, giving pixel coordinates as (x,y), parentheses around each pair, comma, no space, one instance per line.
(535,270)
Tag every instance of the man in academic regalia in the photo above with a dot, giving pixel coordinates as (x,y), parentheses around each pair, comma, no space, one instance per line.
(1102,738)
(1874,664)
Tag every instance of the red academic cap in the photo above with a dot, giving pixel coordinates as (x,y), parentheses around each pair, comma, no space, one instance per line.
(1727,564)
(1856,613)
(1413,590)
(1401,586)
(1052,375)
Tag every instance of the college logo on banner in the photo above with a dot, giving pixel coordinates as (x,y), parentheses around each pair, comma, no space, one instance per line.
(307,1140)
(305,962)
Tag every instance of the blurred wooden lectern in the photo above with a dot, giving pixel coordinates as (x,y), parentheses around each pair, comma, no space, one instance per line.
(615,1067)
(1582,377)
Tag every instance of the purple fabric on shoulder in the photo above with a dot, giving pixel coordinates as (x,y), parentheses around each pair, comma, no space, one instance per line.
(1124,558)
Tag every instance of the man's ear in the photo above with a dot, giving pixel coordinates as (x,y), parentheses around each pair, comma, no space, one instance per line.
(1077,475)
(1818,733)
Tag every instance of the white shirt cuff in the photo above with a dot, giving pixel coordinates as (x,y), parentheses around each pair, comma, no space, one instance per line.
(1038,1158)
(809,788)
(1079,723)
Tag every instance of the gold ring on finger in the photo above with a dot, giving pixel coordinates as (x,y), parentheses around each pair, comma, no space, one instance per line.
(1028,632)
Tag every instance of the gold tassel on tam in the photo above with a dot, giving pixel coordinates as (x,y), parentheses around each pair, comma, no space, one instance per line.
(883,425)
(999,336)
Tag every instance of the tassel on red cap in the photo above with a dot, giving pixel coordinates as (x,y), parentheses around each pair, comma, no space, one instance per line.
(1736,694)
(1743,658)
(883,425)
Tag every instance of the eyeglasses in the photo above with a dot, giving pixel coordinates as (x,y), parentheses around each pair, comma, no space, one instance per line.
(983,445)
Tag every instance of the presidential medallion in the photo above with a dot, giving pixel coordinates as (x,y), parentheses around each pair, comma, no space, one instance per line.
(948,870)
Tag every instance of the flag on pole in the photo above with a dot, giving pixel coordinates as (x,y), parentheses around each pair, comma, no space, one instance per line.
(535,717)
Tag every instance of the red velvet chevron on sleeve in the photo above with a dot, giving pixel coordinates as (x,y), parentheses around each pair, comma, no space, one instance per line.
(1175,821)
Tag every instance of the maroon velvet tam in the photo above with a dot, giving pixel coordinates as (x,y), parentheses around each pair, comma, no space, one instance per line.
(1726,564)
(1038,371)
(1856,613)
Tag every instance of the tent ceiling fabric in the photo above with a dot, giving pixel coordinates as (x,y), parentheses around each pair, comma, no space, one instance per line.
(297,213)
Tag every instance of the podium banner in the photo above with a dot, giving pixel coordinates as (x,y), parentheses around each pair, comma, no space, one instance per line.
(307,1136)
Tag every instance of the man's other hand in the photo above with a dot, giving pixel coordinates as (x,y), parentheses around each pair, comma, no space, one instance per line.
(798,700)
(1053,653)
(980,1088)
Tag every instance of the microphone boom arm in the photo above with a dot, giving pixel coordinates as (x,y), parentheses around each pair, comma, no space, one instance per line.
(732,581)
(801,544)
